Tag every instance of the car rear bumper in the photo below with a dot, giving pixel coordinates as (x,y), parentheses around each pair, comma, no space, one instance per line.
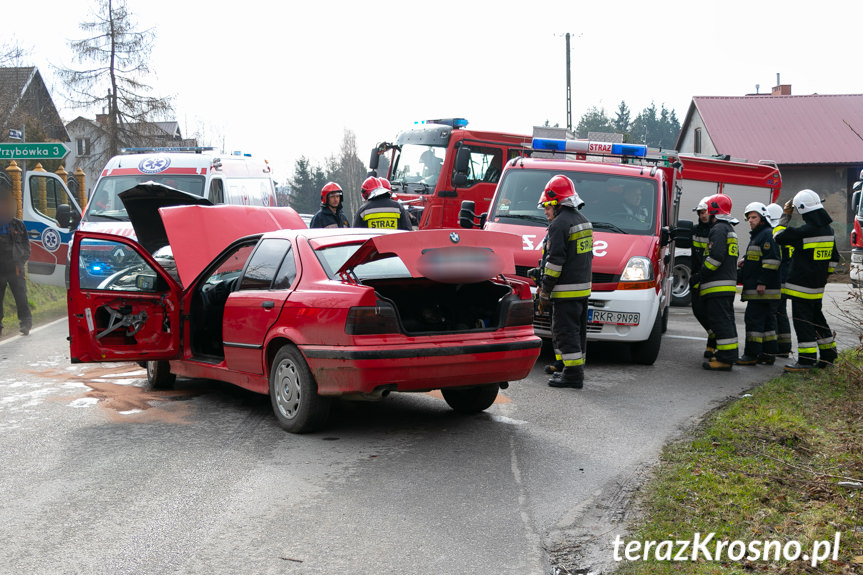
(415,367)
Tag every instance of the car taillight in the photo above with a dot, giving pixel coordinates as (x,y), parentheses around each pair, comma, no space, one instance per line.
(519,312)
(367,320)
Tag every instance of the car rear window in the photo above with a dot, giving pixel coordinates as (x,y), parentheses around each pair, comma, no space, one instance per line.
(333,258)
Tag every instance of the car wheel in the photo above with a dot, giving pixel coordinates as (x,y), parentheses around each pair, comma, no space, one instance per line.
(681,295)
(645,352)
(294,393)
(159,375)
(471,399)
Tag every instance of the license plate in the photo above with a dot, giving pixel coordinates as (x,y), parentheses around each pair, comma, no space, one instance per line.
(613,317)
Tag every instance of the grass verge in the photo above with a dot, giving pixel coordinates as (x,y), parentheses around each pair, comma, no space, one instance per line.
(782,463)
(46,303)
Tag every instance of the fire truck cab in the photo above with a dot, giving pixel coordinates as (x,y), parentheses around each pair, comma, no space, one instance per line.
(439,163)
(857,236)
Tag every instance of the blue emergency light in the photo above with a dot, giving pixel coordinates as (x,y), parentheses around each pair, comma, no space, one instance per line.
(589,147)
(453,122)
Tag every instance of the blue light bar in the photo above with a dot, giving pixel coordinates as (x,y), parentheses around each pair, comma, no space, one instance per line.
(453,122)
(589,147)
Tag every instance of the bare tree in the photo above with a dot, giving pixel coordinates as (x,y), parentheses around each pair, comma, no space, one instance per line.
(114,84)
(352,171)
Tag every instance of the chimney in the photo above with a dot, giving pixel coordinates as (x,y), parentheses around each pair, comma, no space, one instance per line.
(102,119)
(780,89)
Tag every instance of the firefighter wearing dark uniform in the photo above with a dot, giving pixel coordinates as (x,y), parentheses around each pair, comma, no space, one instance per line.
(330,215)
(542,307)
(14,253)
(783,326)
(699,247)
(761,288)
(566,278)
(380,211)
(814,257)
(718,284)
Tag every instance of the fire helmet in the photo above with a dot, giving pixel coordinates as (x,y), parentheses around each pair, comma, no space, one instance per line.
(807,201)
(560,191)
(702,204)
(386,183)
(774,212)
(719,205)
(372,188)
(331,188)
(758,207)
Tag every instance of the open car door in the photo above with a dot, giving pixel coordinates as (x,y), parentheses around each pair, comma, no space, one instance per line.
(131,314)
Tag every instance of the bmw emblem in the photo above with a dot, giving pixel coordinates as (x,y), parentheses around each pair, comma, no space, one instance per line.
(454,237)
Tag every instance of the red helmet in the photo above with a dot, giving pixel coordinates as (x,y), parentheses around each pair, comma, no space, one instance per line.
(329,188)
(370,185)
(560,191)
(719,205)
(386,183)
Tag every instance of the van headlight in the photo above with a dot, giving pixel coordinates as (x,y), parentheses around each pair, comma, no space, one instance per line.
(638,269)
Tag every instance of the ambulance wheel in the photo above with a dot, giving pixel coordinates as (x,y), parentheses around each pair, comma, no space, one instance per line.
(294,393)
(645,352)
(159,375)
(681,294)
(471,399)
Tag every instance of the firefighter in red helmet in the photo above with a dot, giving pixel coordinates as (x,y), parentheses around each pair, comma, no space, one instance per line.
(330,215)
(718,282)
(380,211)
(566,278)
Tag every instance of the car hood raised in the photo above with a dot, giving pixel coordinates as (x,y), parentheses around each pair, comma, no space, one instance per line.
(446,256)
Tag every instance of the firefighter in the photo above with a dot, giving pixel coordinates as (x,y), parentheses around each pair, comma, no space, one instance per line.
(566,278)
(718,282)
(380,211)
(540,307)
(783,326)
(814,257)
(761,288)
(330,215)
(699,246)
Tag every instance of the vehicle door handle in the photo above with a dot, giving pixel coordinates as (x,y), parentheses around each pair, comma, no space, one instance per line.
(268,304)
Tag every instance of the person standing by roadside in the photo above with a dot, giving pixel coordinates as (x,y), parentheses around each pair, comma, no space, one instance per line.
(783,326)
(330,215)
(566,278)
(14,253)
(814,257)
(699,247)
(718,284)
(761,288)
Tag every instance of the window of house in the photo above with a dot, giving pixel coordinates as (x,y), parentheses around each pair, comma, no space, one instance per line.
(697,143)
(83,146)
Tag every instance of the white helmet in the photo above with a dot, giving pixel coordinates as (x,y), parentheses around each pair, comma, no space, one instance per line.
(774,212)
(702,204)
(807,201)
(758,207)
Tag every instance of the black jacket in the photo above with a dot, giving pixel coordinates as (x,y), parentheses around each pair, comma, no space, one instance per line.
(814,255)
(569,258)
(325,218)
(382,212)
(719,268)
(14,247)
(761,266)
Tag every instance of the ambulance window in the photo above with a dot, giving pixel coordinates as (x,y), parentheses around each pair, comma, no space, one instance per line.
(485,165)
(46,194)
(217,191)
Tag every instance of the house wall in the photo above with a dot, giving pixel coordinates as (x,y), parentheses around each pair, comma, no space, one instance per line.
(687,144)
(91,164)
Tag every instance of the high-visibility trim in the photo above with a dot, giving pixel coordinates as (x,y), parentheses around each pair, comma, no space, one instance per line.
(719,286)
(726,344)
(802,292)
(778,230)
(753,295)
(755,336)
(830,345)
(712,264)
(573,359)
(553,267)
(769,336)
(807,348)
(783,337)
(552,273)
(818,242)
(580,228)
(699,242)
(770,264)
(563,291)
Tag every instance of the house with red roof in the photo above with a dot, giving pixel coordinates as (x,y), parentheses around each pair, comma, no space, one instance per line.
(816,140)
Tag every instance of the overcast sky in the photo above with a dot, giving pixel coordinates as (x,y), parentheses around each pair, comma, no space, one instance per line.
(281,79)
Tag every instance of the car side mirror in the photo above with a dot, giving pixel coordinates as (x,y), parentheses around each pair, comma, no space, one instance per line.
(374,161)
(855,199)
(664,236)
(466,215)
(682,234)
(64,215)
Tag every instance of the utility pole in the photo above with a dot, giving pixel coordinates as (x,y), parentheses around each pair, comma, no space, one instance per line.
(568,88)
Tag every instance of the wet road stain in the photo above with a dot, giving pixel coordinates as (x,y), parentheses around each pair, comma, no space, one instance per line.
(501,398)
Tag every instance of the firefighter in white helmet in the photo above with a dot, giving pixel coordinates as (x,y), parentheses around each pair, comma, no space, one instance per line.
(783,325)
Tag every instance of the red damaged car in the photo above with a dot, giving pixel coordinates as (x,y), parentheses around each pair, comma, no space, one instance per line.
(303,315)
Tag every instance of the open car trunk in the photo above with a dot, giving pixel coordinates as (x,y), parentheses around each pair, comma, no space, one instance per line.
(427,307)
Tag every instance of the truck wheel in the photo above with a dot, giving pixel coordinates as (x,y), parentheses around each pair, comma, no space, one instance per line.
(294,393)
(645,352)
(159,375)
(680,293)
(471,399)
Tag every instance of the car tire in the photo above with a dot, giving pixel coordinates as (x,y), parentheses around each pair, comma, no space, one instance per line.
(681,294)
(645,352)
(471,399)
(159,375)
(294,393)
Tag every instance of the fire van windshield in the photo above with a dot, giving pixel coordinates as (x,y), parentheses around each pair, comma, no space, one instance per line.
(417,168)
(617,204)
(105,203)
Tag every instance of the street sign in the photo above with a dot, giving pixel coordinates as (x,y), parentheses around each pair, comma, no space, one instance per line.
(16,135)
(34,151)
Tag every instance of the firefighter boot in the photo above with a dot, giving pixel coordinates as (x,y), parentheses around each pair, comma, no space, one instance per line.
(747,360)
(798,367)
(709,352)
(765,359)
(554,368)
(715,365)
(571,377)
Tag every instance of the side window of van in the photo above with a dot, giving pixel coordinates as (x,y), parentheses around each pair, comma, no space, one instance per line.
(485,165)
(217,191)
(46,194)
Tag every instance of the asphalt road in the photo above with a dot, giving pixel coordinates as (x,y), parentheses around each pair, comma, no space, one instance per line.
(98,474)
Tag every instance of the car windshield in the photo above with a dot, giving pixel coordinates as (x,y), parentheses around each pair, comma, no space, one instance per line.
(418,167)
(105,203)
(333,258)
(618,204)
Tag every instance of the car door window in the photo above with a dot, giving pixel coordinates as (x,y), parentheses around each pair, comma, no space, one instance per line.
(113,266)
(287,272)
(265,261)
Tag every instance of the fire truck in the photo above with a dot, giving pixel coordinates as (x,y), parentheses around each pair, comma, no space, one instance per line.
(439,163)
(632,199)
(857,236)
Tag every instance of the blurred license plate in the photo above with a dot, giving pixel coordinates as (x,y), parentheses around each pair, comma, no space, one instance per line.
(613,317)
